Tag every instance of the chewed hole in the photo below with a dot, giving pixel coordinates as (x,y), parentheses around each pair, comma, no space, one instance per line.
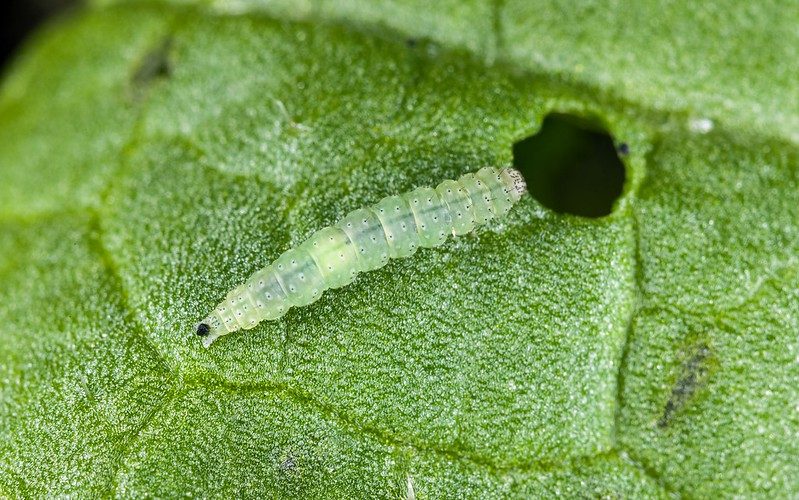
(571,166)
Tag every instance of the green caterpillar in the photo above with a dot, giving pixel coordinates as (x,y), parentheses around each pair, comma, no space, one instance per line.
(362,241)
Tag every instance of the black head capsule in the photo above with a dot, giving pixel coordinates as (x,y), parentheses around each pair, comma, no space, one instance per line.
(203,329)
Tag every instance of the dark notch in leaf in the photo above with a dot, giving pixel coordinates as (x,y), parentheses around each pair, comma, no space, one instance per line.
(694,375)
(423,47)
(572,166)
(155,65)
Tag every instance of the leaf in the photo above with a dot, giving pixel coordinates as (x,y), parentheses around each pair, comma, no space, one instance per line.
(157,154)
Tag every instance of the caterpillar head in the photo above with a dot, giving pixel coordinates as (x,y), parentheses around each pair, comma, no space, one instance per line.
(515,182)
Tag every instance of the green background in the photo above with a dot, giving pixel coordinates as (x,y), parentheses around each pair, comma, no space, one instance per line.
(153,155)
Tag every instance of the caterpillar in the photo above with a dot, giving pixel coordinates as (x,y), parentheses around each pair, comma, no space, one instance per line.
(364,240)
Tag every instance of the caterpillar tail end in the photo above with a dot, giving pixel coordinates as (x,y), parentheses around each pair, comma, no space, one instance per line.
(208,333)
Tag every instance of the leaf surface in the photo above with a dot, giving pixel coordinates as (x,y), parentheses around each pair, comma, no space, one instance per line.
(158,154)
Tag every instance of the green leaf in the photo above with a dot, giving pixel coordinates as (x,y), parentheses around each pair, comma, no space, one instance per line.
(155,155)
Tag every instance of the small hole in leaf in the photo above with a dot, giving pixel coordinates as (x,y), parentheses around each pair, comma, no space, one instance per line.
(571,166)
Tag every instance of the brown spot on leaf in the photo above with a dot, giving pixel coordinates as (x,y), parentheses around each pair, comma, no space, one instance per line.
(288,465)
(694,375)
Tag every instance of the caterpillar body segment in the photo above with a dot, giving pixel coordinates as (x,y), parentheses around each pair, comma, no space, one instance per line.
(364,240)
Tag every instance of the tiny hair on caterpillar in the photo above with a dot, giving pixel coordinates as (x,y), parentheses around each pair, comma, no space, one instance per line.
(364,240)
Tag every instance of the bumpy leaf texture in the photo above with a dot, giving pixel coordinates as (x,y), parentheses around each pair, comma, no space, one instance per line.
(154,155)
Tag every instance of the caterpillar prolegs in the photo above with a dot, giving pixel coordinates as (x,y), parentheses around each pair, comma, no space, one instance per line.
(364,240)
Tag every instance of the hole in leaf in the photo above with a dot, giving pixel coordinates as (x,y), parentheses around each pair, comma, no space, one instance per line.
(572,166)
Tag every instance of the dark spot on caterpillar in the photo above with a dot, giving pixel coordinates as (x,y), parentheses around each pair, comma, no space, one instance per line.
(572,165)
(203,329)
(694,375)
(411,42)
(624,149)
